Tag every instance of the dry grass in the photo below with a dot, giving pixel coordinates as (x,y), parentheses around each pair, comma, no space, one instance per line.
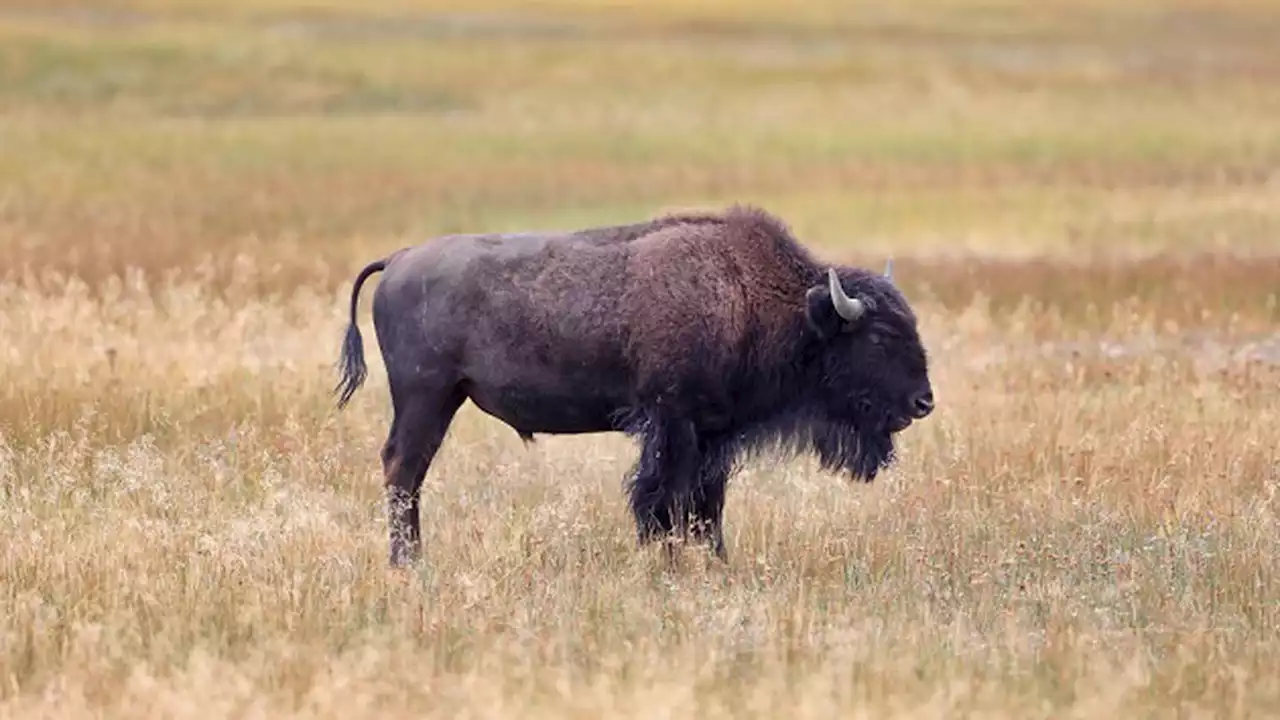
(1082,202)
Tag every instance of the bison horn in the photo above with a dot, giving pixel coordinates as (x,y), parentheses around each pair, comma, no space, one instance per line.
(888,268)
(848,308)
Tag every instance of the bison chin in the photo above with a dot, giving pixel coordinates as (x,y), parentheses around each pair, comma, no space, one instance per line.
(845,447)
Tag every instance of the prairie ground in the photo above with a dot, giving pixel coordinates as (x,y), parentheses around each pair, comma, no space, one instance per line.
(1082,200)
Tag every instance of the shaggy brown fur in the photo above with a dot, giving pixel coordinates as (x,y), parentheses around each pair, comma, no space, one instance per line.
(703,334)
(740,285)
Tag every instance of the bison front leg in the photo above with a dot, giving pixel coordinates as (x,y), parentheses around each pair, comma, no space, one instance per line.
(663,479)
(707,501)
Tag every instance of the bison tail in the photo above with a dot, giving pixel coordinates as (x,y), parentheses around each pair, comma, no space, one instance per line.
(351,364)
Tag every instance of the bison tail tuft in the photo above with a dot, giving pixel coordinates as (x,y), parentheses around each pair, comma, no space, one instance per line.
(351,365)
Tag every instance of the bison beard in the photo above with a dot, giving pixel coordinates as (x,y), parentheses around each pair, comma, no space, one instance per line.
(843,447)
(861,447)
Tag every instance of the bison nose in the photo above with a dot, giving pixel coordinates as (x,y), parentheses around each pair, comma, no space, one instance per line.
(923,404)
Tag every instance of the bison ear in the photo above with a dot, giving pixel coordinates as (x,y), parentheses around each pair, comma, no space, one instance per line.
(821,313)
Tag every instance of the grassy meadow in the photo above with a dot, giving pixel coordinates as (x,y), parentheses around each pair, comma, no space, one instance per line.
(1083,203)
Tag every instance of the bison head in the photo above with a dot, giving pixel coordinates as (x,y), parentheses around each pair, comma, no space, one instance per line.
(872,374)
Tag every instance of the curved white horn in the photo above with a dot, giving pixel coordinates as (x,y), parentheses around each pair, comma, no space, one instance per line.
(848,308)
(888,268)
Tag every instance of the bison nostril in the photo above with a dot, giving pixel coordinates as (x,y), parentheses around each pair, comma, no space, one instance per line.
(924,404)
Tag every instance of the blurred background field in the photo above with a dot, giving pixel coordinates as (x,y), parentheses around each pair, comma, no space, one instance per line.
(150,133)
(1083,201)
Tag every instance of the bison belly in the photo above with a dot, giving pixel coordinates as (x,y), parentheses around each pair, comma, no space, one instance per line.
(553,409)
(537,392)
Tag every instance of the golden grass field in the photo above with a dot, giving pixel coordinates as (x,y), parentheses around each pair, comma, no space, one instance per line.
(1082,200)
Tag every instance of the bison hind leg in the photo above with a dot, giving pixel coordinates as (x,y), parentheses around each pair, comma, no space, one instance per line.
(422,419)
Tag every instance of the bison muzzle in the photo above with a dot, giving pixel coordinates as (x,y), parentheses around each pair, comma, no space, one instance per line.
(707,336)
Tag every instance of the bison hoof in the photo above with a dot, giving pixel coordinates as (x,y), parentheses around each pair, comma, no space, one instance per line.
(402,556)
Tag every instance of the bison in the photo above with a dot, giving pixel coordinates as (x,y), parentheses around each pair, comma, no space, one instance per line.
(709,336)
